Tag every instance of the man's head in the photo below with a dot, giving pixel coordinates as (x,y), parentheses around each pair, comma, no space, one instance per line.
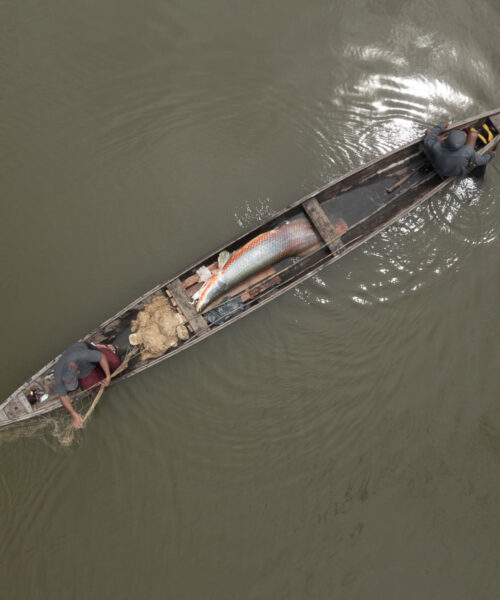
(70,376)
(455,140)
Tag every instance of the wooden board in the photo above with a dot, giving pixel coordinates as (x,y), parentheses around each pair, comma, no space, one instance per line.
(16,408)
(25,402)
(495,119)
(322,223)
(198,323)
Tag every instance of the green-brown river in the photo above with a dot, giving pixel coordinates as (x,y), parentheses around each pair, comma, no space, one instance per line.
(342,442)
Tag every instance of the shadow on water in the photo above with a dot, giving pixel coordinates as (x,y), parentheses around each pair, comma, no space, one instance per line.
(478,175)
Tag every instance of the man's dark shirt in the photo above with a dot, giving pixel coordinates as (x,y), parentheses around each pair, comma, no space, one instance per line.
(84,358)
(452,158)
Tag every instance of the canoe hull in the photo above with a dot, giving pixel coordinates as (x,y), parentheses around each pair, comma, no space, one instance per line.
(358,201)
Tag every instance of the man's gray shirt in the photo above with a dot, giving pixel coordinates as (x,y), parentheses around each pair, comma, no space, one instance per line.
(452,158)
(84,358)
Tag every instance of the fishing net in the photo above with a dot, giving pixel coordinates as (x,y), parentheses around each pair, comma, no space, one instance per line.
(56,427)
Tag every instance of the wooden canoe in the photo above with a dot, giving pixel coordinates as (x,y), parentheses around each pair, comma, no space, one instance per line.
(345,213)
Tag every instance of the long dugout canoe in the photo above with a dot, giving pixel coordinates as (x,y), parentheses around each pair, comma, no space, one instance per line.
(344,213)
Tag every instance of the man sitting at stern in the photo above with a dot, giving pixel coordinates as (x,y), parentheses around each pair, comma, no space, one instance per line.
(87,365)
(456,155)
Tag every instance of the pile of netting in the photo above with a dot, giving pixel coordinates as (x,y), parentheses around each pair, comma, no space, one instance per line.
(157,328)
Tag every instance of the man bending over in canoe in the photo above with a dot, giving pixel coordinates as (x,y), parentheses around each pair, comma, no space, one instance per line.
(84,364)
(455,156)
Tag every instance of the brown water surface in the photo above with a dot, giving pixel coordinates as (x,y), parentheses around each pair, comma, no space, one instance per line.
(342,442)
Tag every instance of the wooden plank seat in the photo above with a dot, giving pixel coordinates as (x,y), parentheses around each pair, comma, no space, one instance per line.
(322,223)
(185,303)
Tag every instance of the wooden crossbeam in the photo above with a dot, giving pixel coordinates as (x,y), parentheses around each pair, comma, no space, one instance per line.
(495,119)
(322,223)
(24,401)
(197,321)
(18,406)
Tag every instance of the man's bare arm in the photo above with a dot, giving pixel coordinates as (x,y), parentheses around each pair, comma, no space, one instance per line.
(77,419)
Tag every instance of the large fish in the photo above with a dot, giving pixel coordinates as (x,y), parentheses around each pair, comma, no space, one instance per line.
(291,239)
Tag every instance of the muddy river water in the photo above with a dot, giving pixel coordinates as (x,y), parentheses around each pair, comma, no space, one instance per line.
(343,441)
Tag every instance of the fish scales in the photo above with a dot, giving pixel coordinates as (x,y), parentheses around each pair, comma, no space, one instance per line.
(264,250)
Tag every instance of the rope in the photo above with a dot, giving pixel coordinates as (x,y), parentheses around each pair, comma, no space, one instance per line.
(121,367)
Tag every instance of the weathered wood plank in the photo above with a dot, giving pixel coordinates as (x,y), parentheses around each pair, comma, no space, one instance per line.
(16,409)
(24,401)
(194,288)
(190,281)
(495,119)
(180,295)
(3,417)
(322,223)
(260,289)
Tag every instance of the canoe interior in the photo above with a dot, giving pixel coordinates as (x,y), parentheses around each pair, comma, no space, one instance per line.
(345,213)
